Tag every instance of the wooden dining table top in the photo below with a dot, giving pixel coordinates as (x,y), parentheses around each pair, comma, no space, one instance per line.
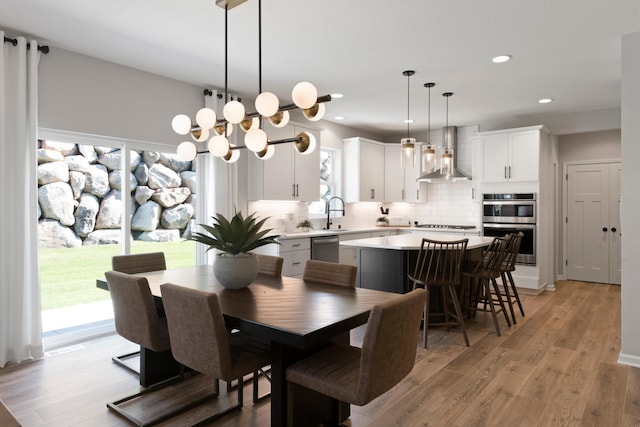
(288,310)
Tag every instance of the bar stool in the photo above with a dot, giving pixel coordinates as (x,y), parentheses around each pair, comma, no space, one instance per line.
(508,265)
(482,276)
(438,266)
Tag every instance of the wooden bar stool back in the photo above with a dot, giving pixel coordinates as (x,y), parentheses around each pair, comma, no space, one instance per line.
(438,266)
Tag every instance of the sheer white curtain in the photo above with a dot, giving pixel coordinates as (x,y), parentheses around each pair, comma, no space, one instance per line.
(20,319)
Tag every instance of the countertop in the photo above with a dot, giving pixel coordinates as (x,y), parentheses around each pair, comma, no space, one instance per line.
(413,241)
(354,230)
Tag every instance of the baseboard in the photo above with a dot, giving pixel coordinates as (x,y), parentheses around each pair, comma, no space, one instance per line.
(629,360)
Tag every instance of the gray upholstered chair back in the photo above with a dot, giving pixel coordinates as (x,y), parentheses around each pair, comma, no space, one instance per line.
(134,311)
(389,345)
(330,273)
(199,337)
(139,263)
(270,265)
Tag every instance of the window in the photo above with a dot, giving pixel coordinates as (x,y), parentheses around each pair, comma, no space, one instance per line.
(329,181)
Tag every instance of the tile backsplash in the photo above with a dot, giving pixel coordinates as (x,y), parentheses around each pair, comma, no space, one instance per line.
(447,203)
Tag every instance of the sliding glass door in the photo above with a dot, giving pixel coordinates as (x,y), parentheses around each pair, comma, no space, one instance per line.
(100,197)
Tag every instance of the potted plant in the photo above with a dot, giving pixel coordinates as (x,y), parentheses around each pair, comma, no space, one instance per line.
(305,225)
(382,221)
(235,267)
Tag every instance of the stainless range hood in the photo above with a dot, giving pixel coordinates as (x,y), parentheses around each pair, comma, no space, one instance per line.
(450,141)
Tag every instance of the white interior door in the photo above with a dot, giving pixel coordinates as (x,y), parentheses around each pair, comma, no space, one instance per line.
(592,205)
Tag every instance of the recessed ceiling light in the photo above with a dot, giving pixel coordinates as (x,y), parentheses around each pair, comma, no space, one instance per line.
(501,58)
(339,117)
(336,95)
(408,120)
(545,100)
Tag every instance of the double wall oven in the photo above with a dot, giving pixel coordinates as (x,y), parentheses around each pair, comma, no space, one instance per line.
(506,213)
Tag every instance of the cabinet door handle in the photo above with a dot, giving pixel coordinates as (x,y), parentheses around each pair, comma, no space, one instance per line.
(509,172)
(293,187)
(613,229)
(297,191)
(402,196)
(296,263)
(295,245)
(605,229)
(473,193)
(417,194)
(505,172)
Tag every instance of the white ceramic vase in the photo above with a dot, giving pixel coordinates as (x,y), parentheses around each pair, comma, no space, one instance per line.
(236,271)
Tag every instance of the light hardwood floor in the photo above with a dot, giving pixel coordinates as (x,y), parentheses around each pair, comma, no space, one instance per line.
(556,367)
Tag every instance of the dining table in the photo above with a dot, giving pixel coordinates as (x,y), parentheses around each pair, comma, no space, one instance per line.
(297,316)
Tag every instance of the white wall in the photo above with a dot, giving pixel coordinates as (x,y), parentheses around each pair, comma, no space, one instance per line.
(630,220)
(590,146)
(82,94)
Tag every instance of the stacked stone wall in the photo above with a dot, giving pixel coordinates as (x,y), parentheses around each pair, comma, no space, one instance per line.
(80,198)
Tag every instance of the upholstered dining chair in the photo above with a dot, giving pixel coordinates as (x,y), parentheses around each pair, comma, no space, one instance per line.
(137,320)
(201,341)
(270,265)
(359,375)
(483,288)
(511,295)
(330,273)
(438,270)
(131,264)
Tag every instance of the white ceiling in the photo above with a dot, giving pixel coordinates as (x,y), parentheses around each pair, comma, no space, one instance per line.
(568,50)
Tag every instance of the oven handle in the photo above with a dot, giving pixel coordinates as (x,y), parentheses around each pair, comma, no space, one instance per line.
(519,225)
(510,202)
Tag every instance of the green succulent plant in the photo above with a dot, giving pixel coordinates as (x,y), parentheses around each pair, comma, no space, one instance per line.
(238,235)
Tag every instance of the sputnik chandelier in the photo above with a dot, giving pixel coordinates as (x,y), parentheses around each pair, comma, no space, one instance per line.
(304,95)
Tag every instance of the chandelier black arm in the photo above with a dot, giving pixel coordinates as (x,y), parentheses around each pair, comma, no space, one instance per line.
(276,142)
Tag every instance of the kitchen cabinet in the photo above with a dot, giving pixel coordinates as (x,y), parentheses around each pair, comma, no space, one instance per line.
(477,168)
(400,183)
(363,170)
(510,155)
(288,175)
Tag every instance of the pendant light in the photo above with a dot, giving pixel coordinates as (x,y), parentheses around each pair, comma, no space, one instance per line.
(408,144)
(447,154)
(428,150)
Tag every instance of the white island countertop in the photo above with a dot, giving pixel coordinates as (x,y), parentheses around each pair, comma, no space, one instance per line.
(403,242)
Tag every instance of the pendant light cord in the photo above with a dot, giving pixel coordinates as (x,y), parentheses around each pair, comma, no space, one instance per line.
(408,114)
(226,62)
(429,117)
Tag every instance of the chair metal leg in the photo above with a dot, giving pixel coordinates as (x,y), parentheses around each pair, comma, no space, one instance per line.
(119,360)
(114,406)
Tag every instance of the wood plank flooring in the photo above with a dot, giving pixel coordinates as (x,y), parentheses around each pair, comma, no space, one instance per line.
(556,367)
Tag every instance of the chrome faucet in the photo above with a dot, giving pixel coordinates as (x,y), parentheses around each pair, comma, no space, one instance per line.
(329,210)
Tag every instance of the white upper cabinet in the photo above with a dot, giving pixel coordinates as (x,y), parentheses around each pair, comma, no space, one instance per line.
(363,161)
(288,175)
(510,156)
(400,183)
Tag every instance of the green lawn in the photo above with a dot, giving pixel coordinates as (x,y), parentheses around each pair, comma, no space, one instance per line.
(68,275)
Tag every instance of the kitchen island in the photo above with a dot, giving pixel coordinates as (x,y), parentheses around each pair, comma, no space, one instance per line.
(385,262)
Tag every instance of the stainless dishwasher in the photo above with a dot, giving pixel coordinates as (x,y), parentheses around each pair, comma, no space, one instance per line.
(325,248)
